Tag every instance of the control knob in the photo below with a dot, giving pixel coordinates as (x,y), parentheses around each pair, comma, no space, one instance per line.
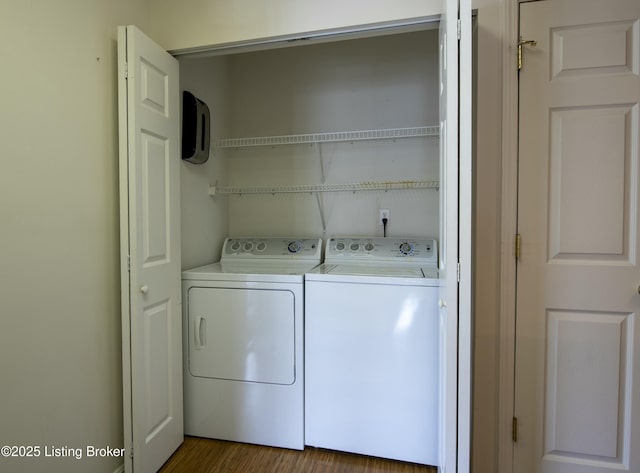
(294,246)
(406,248)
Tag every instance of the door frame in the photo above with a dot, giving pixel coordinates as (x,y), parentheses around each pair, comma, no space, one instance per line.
(508,229)
(458,453)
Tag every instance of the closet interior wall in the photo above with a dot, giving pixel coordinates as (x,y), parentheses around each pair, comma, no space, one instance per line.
(360,84)
(205,220)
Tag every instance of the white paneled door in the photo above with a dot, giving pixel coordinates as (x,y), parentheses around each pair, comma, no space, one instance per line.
(149,116)
(455,236)
(577,393)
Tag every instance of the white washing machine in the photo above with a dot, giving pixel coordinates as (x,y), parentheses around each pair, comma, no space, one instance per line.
(243,342)
(372,336)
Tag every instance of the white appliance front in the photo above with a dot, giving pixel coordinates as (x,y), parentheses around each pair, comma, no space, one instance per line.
(243,346)
(243,376)
(242,334)
(371,361)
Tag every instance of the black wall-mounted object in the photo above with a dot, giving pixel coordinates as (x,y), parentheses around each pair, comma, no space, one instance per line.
(196,128)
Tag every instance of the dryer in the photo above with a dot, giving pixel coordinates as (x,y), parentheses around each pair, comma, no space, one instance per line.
(372,334)
(243,342)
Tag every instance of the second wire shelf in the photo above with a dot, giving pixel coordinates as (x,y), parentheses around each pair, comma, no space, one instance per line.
(302,189)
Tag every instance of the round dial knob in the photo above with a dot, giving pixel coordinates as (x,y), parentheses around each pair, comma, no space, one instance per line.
(294,246)
(261,246)
(354,246)
(369,246)
(235,246)
(248,246)
(340,246)
(406,248)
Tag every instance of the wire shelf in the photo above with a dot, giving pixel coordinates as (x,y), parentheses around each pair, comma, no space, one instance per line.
(363,135)
(302,189)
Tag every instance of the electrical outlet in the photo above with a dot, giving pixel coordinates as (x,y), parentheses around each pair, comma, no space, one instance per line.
(384,213)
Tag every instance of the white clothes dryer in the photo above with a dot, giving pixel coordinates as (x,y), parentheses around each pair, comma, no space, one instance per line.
(243,342)
(372,334)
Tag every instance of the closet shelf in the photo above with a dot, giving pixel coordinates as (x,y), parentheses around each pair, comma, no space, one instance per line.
(301,189)
(363,135)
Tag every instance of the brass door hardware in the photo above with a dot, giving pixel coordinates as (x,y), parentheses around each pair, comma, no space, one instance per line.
(522,42)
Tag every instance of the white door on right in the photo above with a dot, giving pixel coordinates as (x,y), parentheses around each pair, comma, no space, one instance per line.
(577,393)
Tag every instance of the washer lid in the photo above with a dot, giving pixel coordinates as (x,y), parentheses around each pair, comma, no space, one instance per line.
(406,275)
(374,270)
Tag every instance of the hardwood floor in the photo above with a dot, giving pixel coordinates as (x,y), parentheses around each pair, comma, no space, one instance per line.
(198,455)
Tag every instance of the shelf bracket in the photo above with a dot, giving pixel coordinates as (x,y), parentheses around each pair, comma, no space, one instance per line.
(318,147)
(319,198)
(321,211)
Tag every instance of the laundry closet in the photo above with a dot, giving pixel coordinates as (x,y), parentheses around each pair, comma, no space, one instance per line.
(309,138)
(314,140)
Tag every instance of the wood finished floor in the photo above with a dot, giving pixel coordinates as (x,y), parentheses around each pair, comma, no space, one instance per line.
(198,455)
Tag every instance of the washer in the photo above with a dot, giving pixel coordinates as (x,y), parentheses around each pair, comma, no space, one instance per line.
(372,349)
(243,342)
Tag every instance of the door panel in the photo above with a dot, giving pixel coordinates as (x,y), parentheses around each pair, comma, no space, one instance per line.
(242,334)
(448,257)
(578,276)
(150,226)
(589,158)
(455,235)
(584,375)
(155,214)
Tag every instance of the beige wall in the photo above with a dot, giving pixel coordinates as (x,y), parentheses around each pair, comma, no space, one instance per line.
(204,22)
(60,361)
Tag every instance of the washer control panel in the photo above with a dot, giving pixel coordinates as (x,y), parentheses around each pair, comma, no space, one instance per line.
(372,249)
(274,248)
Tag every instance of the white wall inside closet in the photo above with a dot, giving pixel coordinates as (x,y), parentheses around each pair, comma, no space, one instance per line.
(204,221)
(372,83)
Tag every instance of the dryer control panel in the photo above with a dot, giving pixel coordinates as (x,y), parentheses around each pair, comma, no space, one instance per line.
(271,248)
(422,251)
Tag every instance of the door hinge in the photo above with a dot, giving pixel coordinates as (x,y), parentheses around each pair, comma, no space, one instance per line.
(458,272)
(522,42)
(131,452)
(125,70)
(459,29)
(129,263)
(518,245)
(514,429)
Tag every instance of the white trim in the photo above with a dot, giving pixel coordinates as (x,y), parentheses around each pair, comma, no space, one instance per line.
(320,36)
(465,288)
(123,151)
(509,212)
(449,241)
